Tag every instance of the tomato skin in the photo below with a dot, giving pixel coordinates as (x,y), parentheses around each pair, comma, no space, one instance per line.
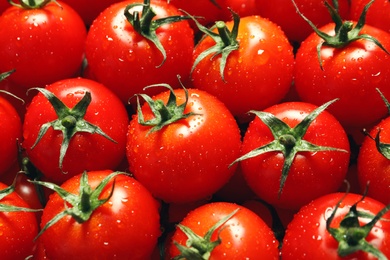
(187,160)
(105,111)
(311,174)
(257,75)
(307,238)
(126,62)
(125,227)
(373,167)
(377,15)
(43,45)
(18,229)
(10,134)
(296,28)
(358,68)
(244,236)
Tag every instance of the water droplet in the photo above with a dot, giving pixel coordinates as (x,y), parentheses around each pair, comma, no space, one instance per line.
(124,200)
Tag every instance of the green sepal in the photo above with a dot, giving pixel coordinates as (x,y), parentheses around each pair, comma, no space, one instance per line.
(350,235)
(289,141)
(83,204)
(146,26)
(197,247)
(70,121)
(345,32)
(32,4)
(10,208)
(225,42)
(164,114)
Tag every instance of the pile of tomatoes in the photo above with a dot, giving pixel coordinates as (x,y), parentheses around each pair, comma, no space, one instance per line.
(225,129)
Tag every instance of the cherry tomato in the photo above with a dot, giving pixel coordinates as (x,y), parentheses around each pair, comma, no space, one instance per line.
(312,172)
(98,146)
(258,72)
(307,236)
(186,160)
(243,235)
(18,228)
(359,68)
(43,44)
(125,60)
(125,226)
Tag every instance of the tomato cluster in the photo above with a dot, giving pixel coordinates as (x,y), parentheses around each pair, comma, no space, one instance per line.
(208,129)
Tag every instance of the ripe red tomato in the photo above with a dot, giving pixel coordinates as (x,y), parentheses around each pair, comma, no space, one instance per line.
(258,72)
(243,235)
(359,68)
(377,15)
(307,236)
(126,61)
(44,44)
(284,14)
(186,160)
(311,173)
(18,228)
(10,134)
(373,166)
(86,150)
(126,226)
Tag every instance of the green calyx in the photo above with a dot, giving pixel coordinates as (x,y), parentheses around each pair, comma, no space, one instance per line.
(289,141)
(197,247)
(345,30)
(83,204)
(164,114)
(383,148)
(32,4)
(10,208)
(350,235)
(146,26)
(225,42)
(70,121)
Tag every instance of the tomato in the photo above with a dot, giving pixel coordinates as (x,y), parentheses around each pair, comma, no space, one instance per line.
(307,236)
(89,9)
(68,150)
(242,234)
(187,159)
(357,67)
(284,14)
(124,225)
(18,228)
(259,66)
(377,16)
(10,134)
(44,44)
(288,172)
(125,59)
(373,166)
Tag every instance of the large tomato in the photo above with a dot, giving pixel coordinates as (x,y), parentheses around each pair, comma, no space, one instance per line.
(18,228)
(349,68)
(44,44)
(308,237)
(283,13)
(224,230)
(10,134)
(123,56)
(288,160)
(185,159)
(250,68)
(79,136)
(120,219)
